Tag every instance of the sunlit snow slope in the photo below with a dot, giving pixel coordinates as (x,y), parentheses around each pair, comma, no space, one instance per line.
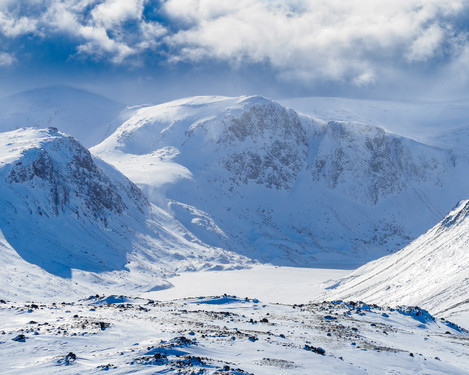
(70,221)
(86,116)
(250,175)
(432,272)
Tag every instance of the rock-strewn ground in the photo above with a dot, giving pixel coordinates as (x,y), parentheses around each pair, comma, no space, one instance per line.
(226,335)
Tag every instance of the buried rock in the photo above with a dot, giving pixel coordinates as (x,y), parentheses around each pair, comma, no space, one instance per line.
(69,359)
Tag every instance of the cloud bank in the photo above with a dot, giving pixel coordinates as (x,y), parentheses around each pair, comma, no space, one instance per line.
(357,42)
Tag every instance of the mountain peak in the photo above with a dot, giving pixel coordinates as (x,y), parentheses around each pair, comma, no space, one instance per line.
(65,210)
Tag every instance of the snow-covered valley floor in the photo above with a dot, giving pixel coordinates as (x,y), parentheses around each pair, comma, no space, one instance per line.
(267,283)
(262,331)
(272,284)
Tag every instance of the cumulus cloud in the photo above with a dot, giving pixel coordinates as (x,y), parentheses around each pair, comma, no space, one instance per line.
(98,25)
(99,43)
(100,28)
(12,26)
(6,59)
(113,12)
(327,40)
(352,41)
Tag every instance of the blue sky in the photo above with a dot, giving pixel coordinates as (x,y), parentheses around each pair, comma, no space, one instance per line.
(147,50)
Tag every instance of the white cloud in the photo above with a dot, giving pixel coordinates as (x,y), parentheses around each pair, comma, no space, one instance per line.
(6,59)
(364,79)
(114,12)
(328,40)
(427,44)
(102,33)
(98,43)
(11,26)
(152,33)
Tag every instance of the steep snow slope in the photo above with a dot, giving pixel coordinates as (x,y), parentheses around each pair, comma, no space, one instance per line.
(77,218)
(250,175)
(88,117)
(432,272)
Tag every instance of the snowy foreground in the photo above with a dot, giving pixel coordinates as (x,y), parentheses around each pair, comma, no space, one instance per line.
(279,332)
(226,335)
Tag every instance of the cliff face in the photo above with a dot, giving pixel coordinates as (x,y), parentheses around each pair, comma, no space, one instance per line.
(369,164)
(61,177)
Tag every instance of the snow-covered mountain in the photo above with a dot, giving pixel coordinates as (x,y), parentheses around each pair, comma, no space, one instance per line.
(70,221)
(253,176)
(432,272)
(88,117)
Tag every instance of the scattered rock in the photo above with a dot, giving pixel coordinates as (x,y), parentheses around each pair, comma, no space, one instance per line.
(313,349)
(20,338)
(103,325)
